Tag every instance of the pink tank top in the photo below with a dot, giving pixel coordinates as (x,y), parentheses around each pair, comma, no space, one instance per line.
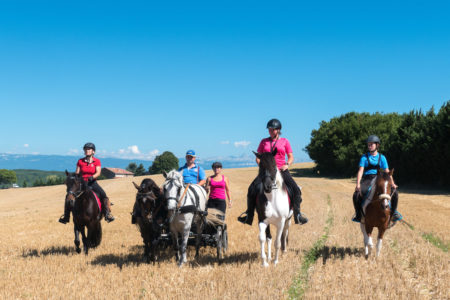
(217,189)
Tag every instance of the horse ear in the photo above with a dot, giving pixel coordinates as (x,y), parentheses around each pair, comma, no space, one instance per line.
(135,185)
(274,151)
(164,174)
(257,154)
(391,172)
(67,173)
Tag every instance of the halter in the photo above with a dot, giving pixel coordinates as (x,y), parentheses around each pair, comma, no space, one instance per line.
(78,193)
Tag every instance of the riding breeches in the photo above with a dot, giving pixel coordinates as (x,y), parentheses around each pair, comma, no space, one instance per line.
(97,189)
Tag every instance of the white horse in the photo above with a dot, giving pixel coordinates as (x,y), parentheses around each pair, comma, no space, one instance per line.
(186,204)
(272,206)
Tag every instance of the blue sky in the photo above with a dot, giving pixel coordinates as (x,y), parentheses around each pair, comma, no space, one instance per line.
(139,77)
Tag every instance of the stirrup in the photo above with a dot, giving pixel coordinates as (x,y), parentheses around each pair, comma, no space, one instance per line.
(109,218)
(243,219)
(300,219)
(355,219)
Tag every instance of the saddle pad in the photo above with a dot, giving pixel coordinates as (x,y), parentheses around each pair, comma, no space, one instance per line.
(99,203)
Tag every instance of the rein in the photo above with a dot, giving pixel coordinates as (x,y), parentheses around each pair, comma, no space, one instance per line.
(182,196)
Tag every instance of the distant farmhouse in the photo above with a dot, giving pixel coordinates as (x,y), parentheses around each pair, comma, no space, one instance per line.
(111,173)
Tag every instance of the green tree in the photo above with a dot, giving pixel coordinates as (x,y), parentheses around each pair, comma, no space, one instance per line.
(140,170)
(164,162)
(132,167)
(24,184)
(7,176)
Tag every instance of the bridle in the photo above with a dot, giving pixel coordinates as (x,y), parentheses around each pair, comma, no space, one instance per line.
(77,193)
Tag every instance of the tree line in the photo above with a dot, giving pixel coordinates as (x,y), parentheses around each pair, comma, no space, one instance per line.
(416,144)
(165,162)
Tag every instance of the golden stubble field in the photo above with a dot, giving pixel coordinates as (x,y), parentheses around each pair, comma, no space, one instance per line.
(38,261)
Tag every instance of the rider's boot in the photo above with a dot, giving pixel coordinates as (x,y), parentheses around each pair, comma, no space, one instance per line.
(357,206)
(64,219)
(247,216)
(299,218)
(108,216)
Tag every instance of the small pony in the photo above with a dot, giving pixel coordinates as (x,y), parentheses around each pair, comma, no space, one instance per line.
(377,213)
(153,213)
(86,212)
(272,206)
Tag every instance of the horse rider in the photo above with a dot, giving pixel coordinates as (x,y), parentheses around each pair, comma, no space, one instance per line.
(283,148)
(90,169)
(192,172)
(369,164)
(219,191)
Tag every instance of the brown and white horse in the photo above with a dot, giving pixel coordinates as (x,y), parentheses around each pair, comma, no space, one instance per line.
(377,212)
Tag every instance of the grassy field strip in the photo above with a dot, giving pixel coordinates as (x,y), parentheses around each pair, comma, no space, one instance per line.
(431,238)
(300,283)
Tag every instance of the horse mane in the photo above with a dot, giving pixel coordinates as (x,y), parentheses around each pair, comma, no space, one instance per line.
(267,162)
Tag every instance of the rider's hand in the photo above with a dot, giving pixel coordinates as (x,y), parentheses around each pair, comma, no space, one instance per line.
(230,203)
(91,179)
(358,188)
(394,186)
(284,167)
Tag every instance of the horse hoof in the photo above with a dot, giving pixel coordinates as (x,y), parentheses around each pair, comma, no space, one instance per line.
(78,250)
(265,264)
(275,262)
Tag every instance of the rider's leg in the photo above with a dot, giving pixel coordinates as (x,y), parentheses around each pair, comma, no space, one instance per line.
(357,206)
(106,204)
(247,216)
(66,217)
(136,212)
(296,197)
(396,216)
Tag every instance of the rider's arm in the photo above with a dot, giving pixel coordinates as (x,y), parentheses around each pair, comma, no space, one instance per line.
(98,171)
(77,170)
(227,190)
(358,179)
(208,182)
(257,161)
(289,161)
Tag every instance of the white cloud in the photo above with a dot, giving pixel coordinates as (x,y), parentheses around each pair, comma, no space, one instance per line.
(74,152)
(26,145)
(225,142)
(134,149)
(242,144)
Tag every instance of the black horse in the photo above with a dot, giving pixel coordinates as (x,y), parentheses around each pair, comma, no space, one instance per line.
(86,212)
(151,216)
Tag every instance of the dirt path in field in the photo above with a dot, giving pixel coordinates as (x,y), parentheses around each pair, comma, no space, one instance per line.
(37,258)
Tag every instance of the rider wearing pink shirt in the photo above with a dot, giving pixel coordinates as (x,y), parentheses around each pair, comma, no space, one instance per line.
(283,148)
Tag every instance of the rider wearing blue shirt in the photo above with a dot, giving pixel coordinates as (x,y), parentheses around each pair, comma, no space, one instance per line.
(369,164)
(192,173)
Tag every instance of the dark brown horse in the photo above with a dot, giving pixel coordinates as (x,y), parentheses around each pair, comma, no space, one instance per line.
(377,211)
(151,217)
(86,212)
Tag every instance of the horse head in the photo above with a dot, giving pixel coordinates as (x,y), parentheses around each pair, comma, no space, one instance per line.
(383,188)
(267,169)
(172,188)
(146,198)
(76,186)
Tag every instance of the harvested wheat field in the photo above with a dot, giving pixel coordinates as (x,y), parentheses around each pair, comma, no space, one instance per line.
(324,259)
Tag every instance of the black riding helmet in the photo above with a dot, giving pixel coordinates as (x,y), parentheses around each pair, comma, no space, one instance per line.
(373,139)
(89,146)
(216,165)
(274,124)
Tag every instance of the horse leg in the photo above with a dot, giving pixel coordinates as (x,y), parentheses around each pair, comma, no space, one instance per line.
(277,243)
(262,240)
(77,239)
(367,240)
(85,241)
(184,241)
(198,237)
(175,245)
(284,235)
(269,243)
(381,231)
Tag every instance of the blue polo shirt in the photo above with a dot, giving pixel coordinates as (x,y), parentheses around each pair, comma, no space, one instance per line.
(373,161)
(191,175)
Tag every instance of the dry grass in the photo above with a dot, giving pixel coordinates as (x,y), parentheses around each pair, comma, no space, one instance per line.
(37,257)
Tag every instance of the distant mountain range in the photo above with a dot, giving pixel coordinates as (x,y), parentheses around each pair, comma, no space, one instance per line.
(65,162)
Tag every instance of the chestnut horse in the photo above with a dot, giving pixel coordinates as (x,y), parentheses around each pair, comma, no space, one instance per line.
(86,212)
(377,213)
(150,220)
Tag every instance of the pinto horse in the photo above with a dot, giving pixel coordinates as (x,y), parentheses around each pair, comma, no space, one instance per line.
(153,213)
(272,206)
(377,213)
(86,212)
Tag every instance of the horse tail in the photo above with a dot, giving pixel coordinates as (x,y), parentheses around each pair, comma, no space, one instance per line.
(215,217)
(94,235)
